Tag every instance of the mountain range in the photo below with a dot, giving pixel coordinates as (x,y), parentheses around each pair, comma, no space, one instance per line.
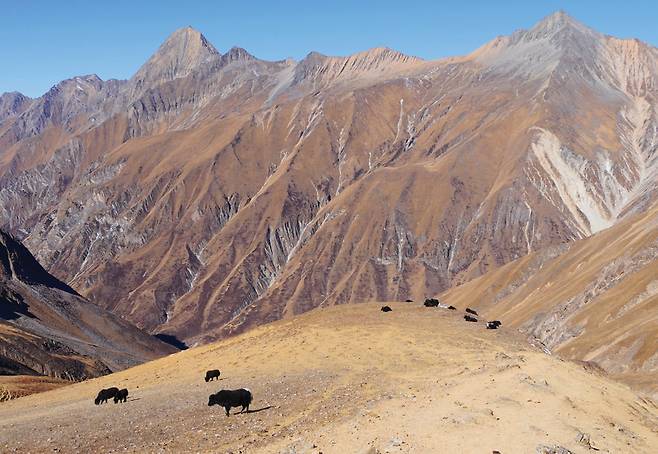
(213,192)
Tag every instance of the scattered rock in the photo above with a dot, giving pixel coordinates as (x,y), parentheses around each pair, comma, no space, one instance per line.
(543,449)
(371,450)
(585,440)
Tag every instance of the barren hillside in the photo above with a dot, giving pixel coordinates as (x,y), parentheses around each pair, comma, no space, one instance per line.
(213,192)
(593,300)
(347,379)
(46,328)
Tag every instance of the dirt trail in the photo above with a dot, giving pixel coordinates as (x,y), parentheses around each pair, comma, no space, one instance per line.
(346,379)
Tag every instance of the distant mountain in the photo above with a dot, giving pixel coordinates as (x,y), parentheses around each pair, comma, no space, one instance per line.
(212,192)
(46,328)
(184,52)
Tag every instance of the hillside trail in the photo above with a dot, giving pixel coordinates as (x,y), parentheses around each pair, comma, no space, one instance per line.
(346,379)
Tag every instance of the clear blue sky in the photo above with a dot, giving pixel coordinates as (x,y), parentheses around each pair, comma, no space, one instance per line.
(43,42)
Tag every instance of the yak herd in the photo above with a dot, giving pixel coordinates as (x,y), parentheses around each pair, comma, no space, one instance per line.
(225,398)
(119,395)
(470,316)
(242,397)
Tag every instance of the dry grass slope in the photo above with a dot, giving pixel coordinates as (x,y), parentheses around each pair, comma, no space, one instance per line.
(346,379)
(595,301)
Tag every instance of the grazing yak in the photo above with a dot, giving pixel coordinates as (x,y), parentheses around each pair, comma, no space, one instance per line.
(471,311)
(105,394)
(431,302)
(452,308)
(408,301)
(231,398)
(121,396)
(494,324)
(386,309)
(468,318)
(211,374)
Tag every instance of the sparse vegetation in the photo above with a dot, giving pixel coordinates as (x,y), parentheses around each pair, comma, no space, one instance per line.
(346,379)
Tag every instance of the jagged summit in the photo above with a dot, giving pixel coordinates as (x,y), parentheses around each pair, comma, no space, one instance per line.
(236,54)
(557,23)
(12,94)
(560,46)
(12,103)
(375,61)
(377,54)
(562,31)
(183,51)
(87,81)
(537,51)
(386,54)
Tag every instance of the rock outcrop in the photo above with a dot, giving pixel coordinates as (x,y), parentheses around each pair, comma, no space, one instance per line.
(46,328)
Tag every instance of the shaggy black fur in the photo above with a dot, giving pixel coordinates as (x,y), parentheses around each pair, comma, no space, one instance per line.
(231,398)
(211,374)
(105,394)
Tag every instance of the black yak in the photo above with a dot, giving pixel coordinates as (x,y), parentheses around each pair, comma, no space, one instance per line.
(468,318)
(231,398)
(431,302)
(493,324)
(212,374)
(386,309)
(452,308)
(121,396)
(105,394)
(408,301)
(471,311)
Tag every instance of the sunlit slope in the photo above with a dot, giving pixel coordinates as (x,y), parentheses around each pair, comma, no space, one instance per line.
(346,379)
(214,192)
(594,301)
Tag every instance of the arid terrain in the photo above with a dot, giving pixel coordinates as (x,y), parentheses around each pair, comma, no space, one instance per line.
(348,378)
(212,192)
(260,211)
(47,329)
(594,300)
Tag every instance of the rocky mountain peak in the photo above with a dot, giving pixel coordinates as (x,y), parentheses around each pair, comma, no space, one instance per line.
(183,51)
(12,103)
(377,61)
(562,31)
(557,23)
(536,52)
(237,54)
(87,83)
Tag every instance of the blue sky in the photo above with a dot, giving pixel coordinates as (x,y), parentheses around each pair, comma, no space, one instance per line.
(43,42)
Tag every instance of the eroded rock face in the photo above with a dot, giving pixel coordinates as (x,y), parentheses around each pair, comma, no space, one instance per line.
(590,300)
(211,192)
(46,328)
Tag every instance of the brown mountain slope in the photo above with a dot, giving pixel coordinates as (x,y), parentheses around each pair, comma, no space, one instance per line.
(46,328)
(347,379)
(223,191)
(594,300)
